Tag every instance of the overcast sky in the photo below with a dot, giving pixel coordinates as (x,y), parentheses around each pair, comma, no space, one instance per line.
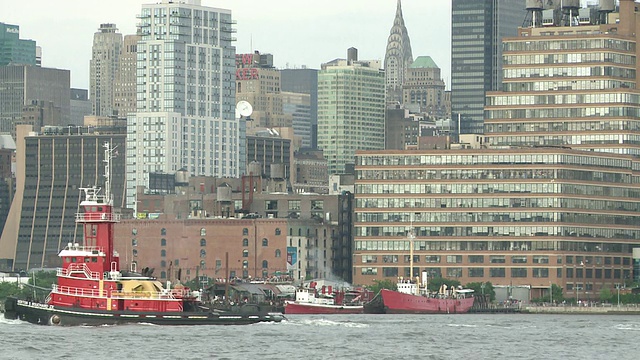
(296,32)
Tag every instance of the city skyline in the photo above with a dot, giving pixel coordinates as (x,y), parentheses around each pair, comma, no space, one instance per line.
(278,28)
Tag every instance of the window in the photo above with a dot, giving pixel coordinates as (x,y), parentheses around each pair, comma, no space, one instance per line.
(390,271)
(203,242)
(540,273)
(135,252)
(278,253)
(454,259)
(203,253)
(134,231)
(476,259)
(432,259)
(389,259)
(134,242)
(265,264)
(369,258)
(496,272)
(245,231)
(163,275)
(163,253)
(454,272)
(163,263)
(245,253)
(407,259)
(265,242)
(202,264)
(163,242)
(245,242)
(518,272)
(245,264)
(519,259)
(203,232)
(163,232)
(278,232)
(369,271)
(218,264)
(476,272)
(497,259)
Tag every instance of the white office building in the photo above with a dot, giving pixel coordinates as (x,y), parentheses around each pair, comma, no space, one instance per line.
(185,95)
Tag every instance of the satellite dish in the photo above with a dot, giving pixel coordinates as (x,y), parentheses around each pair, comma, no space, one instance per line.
(244,108)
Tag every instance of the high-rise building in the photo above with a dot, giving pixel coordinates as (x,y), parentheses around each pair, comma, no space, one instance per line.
(304,81)
(423,88)
(80,106)
(477,29)
(22,85)
(51,168)
(296,107)
(7,177)
(186,95)
(397,59)
(258,82)
(557,93)
(124,96)
(103,69)
(350,110)
(13,50)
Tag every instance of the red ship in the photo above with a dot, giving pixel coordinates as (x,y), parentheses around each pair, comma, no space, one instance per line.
(410,302)
(413,296)
(92,290)
(308,301)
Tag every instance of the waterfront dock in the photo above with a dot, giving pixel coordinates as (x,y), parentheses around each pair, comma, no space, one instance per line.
(595,310)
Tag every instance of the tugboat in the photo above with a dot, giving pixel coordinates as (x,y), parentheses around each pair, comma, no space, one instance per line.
(309,301)
(413,296)
(91,289)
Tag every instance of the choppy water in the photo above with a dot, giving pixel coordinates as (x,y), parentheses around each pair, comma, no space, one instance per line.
(339,337)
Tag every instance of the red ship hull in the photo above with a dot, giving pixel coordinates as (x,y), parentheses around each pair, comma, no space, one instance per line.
(291,307)
(393,302)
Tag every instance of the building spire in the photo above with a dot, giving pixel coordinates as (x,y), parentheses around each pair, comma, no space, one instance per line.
(398,57)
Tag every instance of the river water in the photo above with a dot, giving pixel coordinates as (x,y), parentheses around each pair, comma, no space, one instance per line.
(470,336)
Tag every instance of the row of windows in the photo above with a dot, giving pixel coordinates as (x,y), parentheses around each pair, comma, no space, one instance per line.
(567,113)
(501,259)
(540,245)
(489,159)
(457,272)
(539,45)
(559,85)
(507,202)
(203,253)
(573,58)
(511,100)
(497,217)
(576,71)
(562,126)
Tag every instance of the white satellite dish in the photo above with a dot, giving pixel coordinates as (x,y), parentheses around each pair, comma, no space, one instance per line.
(244,108)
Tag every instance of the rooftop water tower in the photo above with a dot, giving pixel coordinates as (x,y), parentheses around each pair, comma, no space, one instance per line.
(534,13)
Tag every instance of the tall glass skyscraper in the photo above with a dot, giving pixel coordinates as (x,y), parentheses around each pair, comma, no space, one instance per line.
(186,95)
(477,29)
(14,50)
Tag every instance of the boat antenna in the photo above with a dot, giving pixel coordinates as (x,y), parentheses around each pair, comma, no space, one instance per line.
(108,155)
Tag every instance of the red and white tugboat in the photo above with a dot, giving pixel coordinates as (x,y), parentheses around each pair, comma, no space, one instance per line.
(309,301)
(92,290)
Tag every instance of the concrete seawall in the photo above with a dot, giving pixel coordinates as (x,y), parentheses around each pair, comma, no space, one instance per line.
(596,310)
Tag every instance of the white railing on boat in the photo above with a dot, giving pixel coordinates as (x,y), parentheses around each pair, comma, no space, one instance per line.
(78,268)
(82,248)
(150,295)
(97,217)
(68,290)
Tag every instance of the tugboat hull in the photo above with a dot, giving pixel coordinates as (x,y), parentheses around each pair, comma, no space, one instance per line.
(44,314)
(393,302)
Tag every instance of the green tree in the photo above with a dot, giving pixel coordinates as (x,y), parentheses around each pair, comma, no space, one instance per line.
(436,283)
(9,289)
(382,284)
(478,290)
(605,295)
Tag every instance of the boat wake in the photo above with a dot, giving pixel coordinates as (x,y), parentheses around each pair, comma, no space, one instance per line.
(628,327)
(462,325)
(11,322)
(325,322)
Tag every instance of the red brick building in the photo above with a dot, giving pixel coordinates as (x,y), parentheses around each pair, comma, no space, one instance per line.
(192,247)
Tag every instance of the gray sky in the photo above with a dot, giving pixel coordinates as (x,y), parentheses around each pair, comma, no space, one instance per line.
(296,32)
